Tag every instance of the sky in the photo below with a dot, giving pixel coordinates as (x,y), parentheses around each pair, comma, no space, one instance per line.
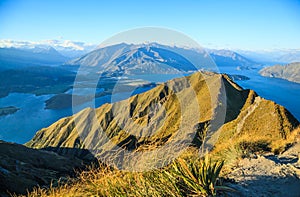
(235,24)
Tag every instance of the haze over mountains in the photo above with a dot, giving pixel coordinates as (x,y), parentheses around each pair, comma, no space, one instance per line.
(23,58)
(274,56)
(34,74)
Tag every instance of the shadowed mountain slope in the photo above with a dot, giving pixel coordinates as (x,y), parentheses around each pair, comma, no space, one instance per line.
(23,168)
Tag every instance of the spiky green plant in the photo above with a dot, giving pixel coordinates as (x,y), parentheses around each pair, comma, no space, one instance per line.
(197,178)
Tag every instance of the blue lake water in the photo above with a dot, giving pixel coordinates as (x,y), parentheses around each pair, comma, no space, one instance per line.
(21,126)
(281,91)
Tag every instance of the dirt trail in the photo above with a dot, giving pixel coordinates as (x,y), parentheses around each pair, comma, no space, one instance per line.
(268,175)
(249,111)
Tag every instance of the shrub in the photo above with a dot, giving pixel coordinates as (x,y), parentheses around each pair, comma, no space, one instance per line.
(197,178)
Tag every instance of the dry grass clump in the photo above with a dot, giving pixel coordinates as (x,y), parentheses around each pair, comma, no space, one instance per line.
(246,145)
(198,177)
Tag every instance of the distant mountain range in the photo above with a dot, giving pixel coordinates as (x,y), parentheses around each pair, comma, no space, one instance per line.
(11,58)
(289,72)
(20,54)
(125,58)
(73,49)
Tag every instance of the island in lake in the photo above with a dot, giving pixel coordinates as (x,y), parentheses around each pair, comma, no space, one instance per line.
(8,110)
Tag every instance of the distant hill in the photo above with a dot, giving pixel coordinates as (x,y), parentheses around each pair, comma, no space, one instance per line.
(290,72)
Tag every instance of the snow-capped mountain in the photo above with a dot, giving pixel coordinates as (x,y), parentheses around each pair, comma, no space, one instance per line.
(71,48)
(67,48)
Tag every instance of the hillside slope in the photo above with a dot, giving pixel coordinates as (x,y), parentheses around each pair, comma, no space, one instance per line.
(167,118)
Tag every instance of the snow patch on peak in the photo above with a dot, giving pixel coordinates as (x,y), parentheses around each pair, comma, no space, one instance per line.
(65,47)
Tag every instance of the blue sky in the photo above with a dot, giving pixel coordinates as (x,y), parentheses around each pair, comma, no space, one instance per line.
(255,24)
